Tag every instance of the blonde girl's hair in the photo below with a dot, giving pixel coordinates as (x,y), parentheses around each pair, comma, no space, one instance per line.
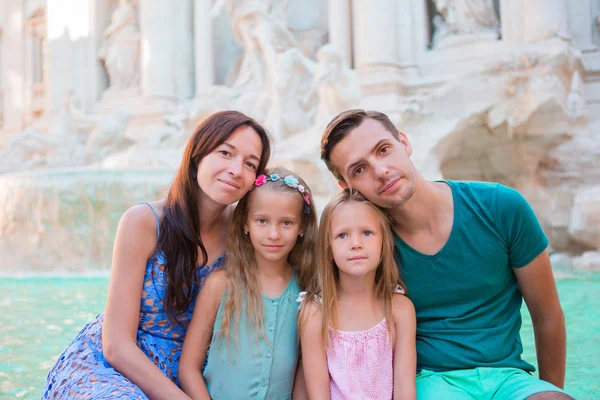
(325,292)
(241,268)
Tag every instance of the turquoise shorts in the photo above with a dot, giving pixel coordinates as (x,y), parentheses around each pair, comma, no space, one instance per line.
(480,383)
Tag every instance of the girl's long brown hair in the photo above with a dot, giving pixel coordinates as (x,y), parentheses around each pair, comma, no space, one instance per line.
(241,266)
(325,289)
(180,239)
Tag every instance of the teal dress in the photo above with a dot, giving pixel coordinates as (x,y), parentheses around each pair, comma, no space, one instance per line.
(255,368)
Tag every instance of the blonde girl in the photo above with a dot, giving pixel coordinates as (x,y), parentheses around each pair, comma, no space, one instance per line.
(358,331)
(249,309)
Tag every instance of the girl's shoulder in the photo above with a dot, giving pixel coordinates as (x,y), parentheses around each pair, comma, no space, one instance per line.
(309,313)
(402,307)
(216,282)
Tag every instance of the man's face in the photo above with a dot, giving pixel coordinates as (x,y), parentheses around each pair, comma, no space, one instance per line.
(376,164)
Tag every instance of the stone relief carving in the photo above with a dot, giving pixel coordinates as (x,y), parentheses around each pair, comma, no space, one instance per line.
(120,49)
(334,84)
(259,28)
(576,99)
(288,112)
(461,18)
(74,138)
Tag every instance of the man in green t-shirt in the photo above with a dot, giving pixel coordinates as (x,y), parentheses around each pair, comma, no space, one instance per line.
(469,253)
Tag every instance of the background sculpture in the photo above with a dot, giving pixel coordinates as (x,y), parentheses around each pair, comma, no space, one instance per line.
(120,50)
(464,17)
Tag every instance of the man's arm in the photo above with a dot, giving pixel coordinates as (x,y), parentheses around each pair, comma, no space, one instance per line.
(537,285)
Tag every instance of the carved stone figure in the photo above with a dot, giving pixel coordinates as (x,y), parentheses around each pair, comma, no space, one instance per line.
(576,99)
(464,17)
(261,31)
(58,147)
(121,47)
(288,112)
(334,84)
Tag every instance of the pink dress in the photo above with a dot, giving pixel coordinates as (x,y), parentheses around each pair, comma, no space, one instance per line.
(361,364)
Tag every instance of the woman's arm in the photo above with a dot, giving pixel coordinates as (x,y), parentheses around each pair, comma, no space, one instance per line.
(405,350)
(134,244)
(198,336)
(314,360)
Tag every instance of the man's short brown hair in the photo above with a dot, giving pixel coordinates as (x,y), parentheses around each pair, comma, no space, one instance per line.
(342,125)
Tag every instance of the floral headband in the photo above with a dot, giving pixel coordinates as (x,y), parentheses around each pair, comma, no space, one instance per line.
(290,181)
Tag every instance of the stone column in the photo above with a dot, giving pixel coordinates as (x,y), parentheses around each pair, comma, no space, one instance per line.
(12,67)
(96,77)
(375,38)
(203,45)
(63,73)
(167,58)
(544,17)
(511,21)
(581,24)
(408,12)
(340,28)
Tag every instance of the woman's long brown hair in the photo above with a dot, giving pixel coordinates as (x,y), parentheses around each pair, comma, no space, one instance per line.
(180,239)
(242,279)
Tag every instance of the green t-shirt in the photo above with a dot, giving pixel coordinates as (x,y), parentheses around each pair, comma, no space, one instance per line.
(466,296)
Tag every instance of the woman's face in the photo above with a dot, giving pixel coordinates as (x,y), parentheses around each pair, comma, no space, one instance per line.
(228,172)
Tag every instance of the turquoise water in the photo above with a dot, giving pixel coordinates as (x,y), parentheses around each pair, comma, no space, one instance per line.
(40,316)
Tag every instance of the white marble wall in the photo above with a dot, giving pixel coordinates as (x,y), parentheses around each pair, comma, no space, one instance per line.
(513,110)
(13,78)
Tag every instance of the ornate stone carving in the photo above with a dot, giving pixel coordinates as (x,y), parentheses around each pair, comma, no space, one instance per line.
(259,28)
(576,99)
(120,50)
(463,17)
(335,85)
(289,113)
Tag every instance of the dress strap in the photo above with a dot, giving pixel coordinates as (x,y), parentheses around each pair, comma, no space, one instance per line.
(398,289)
(155,216)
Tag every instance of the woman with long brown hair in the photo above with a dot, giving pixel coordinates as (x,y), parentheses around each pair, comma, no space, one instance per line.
(162,254)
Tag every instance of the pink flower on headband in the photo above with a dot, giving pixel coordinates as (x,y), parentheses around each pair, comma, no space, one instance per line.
(261,180)
(307,199)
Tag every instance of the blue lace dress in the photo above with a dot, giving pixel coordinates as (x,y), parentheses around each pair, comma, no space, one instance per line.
(82,372)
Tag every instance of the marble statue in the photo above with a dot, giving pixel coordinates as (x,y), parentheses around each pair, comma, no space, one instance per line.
(57,147)
(120,50)
(335,85)
(576,99)
(259,28)
(288,112)
(464,17)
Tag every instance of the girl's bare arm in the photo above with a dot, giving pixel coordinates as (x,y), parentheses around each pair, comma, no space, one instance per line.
(198,336)
(314,360)
(405,351)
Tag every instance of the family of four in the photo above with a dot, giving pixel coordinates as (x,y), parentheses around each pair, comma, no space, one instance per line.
(407,288)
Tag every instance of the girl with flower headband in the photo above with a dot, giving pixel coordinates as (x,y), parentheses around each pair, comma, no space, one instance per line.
(247,313)
(358,330)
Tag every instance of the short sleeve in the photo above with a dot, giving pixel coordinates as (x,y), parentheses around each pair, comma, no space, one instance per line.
(519,226)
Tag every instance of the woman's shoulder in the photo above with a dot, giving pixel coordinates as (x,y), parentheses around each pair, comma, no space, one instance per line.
(142,213)
(139,226)
(143,216)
